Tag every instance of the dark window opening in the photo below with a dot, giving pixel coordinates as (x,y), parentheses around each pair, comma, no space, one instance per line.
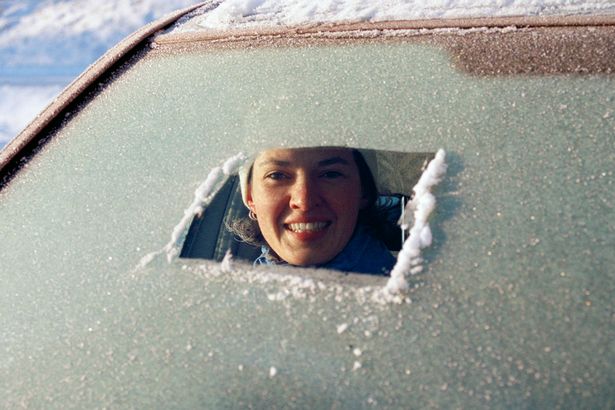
(208,236)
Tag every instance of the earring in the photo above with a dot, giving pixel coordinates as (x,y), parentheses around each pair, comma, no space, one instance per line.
(252,215)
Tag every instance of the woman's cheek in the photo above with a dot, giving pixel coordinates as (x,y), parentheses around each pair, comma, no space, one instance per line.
(269,204)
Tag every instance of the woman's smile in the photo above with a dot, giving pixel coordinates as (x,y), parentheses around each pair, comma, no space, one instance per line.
(307,227)
(307,233)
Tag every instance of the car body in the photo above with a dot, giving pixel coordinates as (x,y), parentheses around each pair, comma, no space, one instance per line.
(514,305)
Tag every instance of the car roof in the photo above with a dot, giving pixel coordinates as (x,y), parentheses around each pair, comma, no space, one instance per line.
(236,18)
(241,15)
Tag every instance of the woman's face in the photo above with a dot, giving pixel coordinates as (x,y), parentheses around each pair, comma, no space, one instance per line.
(306,201)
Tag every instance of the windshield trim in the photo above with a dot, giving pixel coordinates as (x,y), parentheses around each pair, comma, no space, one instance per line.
(350,28)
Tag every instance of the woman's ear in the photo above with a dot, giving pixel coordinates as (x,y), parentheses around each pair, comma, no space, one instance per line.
(249,199)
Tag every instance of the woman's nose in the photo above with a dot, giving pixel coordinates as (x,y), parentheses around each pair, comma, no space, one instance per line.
(304,195)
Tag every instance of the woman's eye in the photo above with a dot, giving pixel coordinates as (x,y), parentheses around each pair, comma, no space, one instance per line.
(275,175)
(332,174)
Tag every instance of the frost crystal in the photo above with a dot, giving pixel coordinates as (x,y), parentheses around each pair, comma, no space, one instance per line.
(227,263)
(418,210)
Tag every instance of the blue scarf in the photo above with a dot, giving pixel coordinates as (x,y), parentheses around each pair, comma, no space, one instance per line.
(362,254)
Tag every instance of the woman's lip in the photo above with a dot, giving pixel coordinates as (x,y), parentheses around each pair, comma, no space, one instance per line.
(307,227)
(307,232)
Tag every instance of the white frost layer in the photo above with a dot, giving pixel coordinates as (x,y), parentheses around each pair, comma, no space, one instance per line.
(409,260)
(245,14)
(202,197)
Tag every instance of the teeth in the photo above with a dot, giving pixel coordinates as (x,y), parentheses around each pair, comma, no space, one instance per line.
(309,227)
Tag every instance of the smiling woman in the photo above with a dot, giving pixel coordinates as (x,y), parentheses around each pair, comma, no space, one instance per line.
(311,206)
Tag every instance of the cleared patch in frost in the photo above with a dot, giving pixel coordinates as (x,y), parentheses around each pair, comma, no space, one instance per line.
(304,283)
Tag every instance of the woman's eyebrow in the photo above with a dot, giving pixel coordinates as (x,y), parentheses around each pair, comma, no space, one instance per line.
(332,161)
(276,162)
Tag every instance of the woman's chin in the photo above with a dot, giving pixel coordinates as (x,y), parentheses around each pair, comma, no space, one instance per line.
(307,258)
(310,248)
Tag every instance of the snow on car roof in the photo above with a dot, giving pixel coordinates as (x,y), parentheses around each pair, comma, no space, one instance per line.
(263,14)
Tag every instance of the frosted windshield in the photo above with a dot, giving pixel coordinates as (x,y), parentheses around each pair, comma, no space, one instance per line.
(513,308)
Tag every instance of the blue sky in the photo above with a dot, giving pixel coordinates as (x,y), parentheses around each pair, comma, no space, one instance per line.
(45,44)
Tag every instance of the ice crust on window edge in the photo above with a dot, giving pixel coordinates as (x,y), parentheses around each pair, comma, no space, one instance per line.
(409,260)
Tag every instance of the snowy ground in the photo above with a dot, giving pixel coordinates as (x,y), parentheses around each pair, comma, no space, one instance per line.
(45,44)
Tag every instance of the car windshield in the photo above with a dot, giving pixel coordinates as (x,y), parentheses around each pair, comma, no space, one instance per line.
(514,302)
